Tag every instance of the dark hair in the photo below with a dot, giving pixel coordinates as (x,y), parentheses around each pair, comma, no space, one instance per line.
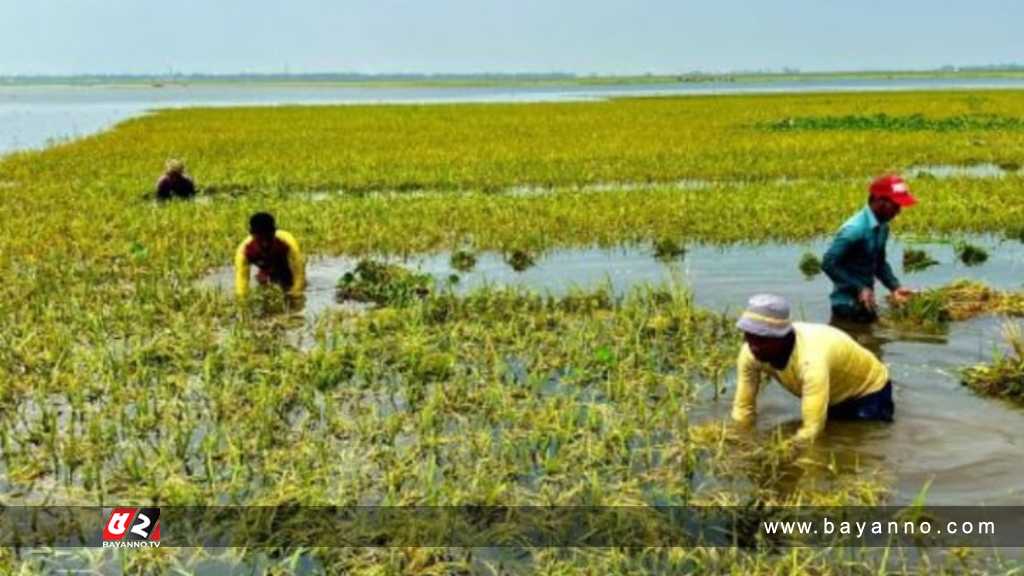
(262,224)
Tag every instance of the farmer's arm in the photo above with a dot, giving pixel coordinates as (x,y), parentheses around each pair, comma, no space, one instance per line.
(748,381)
(815,395)
(846,240)
(296,263)
(241,270)
(885,274)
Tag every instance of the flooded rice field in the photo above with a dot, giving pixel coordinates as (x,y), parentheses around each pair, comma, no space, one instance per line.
(966,449)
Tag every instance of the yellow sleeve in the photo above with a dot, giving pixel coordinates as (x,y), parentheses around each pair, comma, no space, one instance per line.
(241,270)
(296,263)
(748,382)
(815,395)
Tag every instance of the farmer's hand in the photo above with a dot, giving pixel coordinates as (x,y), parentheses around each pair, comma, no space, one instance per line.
(901,295)
(867,299)
(263,277)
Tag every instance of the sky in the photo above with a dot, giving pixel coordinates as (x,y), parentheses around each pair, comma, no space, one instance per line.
(512,36)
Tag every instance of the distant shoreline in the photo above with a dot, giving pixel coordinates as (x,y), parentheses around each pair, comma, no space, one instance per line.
(484,81)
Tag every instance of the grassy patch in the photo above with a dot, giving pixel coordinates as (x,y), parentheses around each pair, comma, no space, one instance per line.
(883,122)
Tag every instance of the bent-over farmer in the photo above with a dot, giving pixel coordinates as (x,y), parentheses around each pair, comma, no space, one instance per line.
(857,254)
(174,183)
(834,376)
(276,255)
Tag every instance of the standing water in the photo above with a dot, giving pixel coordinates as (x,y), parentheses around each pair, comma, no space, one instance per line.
(968,447)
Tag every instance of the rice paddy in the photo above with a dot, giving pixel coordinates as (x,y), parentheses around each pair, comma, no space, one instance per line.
(958,301)
(1004,376)
(126,381)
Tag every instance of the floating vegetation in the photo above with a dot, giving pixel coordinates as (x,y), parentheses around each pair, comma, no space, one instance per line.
(908,123)
(1004,376)
(970,254)
(810,265)
(383,284)
(463,260)
(520,260)
(958,301)
(916,260)
(669,249)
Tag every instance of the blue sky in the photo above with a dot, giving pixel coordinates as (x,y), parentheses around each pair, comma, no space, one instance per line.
(466,36)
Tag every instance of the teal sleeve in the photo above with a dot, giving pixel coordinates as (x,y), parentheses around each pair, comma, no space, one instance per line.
(884,272)
(847,237)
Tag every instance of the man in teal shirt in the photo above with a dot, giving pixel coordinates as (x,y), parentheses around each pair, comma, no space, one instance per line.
(857,254)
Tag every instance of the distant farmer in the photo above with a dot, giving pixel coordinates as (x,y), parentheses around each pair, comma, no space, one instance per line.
(857,254)
(174,183)
(276,255)
(834,376)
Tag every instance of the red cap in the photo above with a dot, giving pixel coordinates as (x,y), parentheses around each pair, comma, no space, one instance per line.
(894,188)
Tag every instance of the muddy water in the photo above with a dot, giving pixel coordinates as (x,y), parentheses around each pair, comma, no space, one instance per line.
(969,448)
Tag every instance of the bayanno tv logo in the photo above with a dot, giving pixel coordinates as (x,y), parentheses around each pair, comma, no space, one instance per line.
(132,528)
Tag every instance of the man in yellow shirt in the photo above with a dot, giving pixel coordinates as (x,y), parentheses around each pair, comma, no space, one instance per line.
(834,375)
(276,255)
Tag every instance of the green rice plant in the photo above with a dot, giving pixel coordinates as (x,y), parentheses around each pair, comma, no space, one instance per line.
(520,260)
(810,265)
(970,254)
(669,250)
(927,310)
(957,301)
(463,260)
(917,260)
(1003,377)
(383,284)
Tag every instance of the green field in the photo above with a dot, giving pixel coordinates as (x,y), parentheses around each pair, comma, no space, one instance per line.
(125,381)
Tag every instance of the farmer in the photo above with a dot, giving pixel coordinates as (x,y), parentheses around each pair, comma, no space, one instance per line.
(857,254)
(276,255)
(834,376)
(174,183)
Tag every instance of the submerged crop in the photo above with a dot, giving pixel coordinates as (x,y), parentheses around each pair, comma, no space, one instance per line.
(917,260)
(961,300)
(1004,376)
(123,381)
